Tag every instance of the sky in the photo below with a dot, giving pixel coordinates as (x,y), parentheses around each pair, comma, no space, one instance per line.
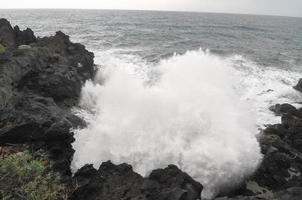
(266,7)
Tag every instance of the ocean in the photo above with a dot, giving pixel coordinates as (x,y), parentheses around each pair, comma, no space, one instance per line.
(190,89)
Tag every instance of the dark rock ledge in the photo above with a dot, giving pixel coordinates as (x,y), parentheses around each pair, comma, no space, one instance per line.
(41,79)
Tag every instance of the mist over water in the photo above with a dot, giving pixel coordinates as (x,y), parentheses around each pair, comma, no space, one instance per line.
(192,116)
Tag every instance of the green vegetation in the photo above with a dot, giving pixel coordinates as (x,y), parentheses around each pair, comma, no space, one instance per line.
(24,47)
(2,49)
(28,176)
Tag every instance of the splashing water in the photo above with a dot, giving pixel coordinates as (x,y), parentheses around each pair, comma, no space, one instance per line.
(200,114)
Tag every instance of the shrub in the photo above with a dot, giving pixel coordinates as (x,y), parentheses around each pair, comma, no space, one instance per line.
(28,176)
(2,49)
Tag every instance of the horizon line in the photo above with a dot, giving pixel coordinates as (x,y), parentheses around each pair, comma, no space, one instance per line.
(151,10)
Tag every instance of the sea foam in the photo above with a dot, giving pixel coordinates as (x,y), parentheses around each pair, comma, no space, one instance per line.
(192,116)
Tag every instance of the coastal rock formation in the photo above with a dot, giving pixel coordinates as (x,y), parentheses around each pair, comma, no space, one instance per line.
(114,182)
(280,173)
(282,146)
(41,79)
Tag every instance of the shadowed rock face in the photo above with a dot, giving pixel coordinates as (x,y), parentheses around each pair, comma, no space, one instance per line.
(115,182)
(39,85)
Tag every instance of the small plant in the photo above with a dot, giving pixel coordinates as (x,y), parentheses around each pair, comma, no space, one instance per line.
(22,47)
(2,49)
(28,176)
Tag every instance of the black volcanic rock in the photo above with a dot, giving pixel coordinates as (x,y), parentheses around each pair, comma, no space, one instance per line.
(7,34)
(172,177)
(280,173)
(13,37)
(280,109)
(299,86)
(24,37)
(115,182)
(39,85)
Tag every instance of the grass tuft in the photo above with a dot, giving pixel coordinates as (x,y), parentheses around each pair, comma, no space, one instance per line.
(28,176)
(2,49)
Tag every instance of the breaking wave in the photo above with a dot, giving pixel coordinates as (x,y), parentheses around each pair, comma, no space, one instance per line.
(198,111)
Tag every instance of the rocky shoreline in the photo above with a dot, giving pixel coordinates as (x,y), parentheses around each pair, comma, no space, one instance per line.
(41,80)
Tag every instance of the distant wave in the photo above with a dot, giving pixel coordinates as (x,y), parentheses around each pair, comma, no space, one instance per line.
(249,28)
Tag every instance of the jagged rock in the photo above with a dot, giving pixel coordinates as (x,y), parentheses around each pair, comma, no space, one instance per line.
(87,183)
(281,109)
(114,182)
(12,37)
(282,146)
(282,163)
(24,37)
(7,33)
(172,177)
(39,85)
(280,172)
(299,86)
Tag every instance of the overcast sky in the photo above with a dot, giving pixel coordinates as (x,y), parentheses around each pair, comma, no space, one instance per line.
(269,7)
